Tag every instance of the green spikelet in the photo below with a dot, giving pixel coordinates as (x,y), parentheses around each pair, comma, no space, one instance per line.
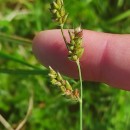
(64,85)
(58,11)
(75,46)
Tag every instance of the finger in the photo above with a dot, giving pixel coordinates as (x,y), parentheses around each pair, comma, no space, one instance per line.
(106,57)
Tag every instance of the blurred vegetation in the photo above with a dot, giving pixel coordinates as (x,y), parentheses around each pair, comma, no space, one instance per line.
(105,108)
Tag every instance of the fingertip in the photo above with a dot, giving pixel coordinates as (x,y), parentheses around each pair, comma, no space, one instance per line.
(100,61)
(50,50)
(38,40)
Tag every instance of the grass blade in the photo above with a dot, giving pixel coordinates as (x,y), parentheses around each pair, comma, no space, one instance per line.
(14,39)
(9,57)
(120,17)
(23,72)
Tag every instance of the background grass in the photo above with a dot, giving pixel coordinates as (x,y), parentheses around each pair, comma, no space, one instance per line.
(105,108)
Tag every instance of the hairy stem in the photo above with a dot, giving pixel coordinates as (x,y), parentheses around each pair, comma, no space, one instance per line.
(81,95)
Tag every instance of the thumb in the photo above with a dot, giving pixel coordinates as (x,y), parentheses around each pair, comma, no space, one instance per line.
(106,57)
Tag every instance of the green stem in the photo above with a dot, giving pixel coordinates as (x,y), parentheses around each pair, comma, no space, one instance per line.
(81,95)
(63,35)
(80,77)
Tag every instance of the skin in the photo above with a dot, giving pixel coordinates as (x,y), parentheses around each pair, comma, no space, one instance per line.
(106,57)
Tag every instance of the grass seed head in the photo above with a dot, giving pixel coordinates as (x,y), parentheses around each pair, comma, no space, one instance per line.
(58,12)
(60,82)
(75,46)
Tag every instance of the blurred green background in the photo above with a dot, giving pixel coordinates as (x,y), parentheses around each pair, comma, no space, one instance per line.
(104,108)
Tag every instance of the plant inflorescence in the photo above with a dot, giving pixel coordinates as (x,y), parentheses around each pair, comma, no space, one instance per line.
(75,52)
(63,85)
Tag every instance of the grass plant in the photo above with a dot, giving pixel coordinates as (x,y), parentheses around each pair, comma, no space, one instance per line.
(75,51)
(104,108)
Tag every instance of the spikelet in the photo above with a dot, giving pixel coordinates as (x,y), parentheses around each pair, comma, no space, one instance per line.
(58,12)
(75,46)
(64,85)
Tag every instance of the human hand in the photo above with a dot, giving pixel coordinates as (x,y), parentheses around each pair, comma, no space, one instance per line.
(106,57)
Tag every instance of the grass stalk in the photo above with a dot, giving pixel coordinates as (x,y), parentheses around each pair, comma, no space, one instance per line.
(62,26)
(29,111)
(81,86)
(5,123)
(81,95)
(75,51)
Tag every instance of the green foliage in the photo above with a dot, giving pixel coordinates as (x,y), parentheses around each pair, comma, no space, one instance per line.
(104,108)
